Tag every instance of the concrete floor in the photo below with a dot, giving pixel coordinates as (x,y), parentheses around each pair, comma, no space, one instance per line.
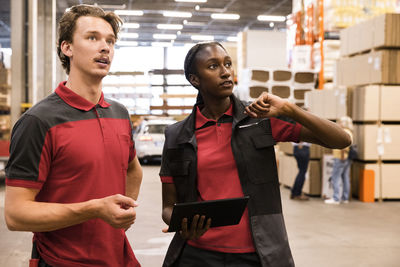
(320,235)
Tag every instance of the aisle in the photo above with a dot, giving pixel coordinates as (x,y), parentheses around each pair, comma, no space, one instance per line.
(355,234)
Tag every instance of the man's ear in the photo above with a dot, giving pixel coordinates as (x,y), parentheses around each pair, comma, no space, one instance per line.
(194,80)
(66,48)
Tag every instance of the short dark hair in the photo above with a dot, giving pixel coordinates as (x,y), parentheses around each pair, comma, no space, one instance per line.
(189,66)
(66,26)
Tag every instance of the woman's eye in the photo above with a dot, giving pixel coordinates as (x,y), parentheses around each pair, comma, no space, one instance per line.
(228,64)
(110,42)
(213,66)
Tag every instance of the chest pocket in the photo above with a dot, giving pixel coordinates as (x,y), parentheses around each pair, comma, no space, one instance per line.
(261,163)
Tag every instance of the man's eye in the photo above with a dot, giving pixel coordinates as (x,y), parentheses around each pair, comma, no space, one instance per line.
(92,38)
(228,64)
(213,66)
(110,42)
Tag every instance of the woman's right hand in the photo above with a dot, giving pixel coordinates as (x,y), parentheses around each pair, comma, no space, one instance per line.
(197,228)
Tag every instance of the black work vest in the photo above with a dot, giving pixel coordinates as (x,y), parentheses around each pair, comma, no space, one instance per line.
(253,150)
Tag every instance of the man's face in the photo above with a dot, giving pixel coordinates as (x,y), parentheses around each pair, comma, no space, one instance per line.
(214,72)
(92,48)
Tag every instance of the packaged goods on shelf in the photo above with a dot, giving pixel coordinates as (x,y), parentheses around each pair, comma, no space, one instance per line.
(287,171)
(376,102)
(285,83)
(301,57)
(381,66)
(316,151)
(329,104)
(282,76)
(5,76)
(381,31)
(390,182)
(373,141)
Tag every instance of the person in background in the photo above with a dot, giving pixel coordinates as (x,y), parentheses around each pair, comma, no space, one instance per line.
(341,167)
(301,152)
(225,149)
(73,177)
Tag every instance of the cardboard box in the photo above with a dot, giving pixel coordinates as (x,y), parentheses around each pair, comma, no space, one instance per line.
(388,172)
(287,171)
(5,76)
(380,31)
(386,30)
(366,103)
(282,91)
(328,104)
(312,184)
(256,91)
(282,75)
(356,169)
(374,102)
(390,180)
(260,75)
(369,136)
(376,67)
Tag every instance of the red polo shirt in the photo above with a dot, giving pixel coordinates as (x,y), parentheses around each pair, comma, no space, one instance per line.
(216,168)
(74,151)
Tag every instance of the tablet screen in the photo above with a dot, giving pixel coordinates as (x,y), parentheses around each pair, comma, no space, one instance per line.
(222,212)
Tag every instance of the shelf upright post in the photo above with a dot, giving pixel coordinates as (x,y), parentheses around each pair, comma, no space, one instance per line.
(321,42)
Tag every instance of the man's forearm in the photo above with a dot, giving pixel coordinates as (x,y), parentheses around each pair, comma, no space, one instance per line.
(29,215)
(134,179)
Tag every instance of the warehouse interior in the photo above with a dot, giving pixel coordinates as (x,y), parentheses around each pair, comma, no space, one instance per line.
(334,58)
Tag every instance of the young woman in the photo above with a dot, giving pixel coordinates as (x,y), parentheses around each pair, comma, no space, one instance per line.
(225,149)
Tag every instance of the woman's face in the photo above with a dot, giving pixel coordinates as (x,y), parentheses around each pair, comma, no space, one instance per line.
(215,73)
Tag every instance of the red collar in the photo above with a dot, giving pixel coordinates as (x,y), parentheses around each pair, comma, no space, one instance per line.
(76,101)
(201,119)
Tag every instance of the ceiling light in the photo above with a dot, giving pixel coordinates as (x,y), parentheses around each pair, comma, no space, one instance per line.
(232,39)
(178,33)
(129,35)
(127,43)
(202,37)
(164,36)
(129,12)
(271,24)
(177,14)
(169,26)
(194,23)
(192,1)
(161,44)
(271,18)
(197,7)
(225,16)
(131,25)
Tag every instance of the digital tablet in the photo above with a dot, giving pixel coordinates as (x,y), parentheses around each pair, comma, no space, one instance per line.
(222,212)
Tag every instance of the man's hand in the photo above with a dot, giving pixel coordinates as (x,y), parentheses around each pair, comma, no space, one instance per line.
(266,106)
(118,211)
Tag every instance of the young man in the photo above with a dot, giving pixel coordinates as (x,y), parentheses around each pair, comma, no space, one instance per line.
(73,176)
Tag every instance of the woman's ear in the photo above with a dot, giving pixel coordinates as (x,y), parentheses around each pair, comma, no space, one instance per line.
(66,48)
(194,80)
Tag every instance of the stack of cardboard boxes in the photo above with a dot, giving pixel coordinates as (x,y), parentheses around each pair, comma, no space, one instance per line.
(285,83)
(370,68)
(287,168)
(5,93)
